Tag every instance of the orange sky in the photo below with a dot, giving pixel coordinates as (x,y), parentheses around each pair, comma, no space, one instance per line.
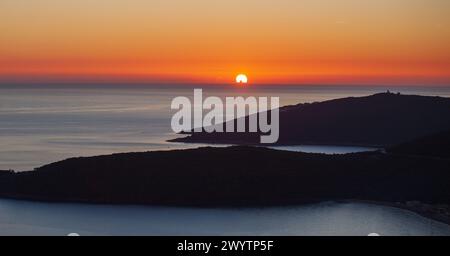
(210,41)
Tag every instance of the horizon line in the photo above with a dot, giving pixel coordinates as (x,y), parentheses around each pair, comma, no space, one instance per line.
(212,84)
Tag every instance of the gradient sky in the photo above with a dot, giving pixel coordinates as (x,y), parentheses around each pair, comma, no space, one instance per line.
(210,41)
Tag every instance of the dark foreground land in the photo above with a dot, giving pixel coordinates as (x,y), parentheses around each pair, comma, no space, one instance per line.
(234,176)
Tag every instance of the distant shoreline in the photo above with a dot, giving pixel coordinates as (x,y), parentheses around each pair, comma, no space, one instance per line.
(206,143)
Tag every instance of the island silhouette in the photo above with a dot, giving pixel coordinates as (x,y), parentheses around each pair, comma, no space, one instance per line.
(380,120)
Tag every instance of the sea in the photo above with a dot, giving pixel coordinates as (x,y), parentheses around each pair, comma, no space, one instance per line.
(41,124)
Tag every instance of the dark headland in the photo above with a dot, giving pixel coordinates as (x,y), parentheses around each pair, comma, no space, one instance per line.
(414,174)
(382,120)
(234,176)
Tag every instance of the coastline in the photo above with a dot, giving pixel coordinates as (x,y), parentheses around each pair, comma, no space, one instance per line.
(425,210)
(263,177)
(187,140)
(428,211)
(159,179)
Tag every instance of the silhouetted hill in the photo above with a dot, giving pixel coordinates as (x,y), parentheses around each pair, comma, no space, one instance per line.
(437,145)
(234,176)
(383,119)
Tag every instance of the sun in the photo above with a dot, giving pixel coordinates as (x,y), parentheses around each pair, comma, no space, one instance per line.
(241,79)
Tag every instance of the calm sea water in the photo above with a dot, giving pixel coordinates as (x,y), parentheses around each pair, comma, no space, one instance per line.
(27,218)
(43,124)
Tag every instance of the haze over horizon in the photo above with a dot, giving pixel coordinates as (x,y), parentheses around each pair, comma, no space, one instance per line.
(398,42)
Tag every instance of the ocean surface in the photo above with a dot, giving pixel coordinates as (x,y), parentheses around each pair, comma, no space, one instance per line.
(325,219)
(41,124)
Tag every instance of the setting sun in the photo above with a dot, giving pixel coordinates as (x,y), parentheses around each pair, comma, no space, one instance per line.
(241,79)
